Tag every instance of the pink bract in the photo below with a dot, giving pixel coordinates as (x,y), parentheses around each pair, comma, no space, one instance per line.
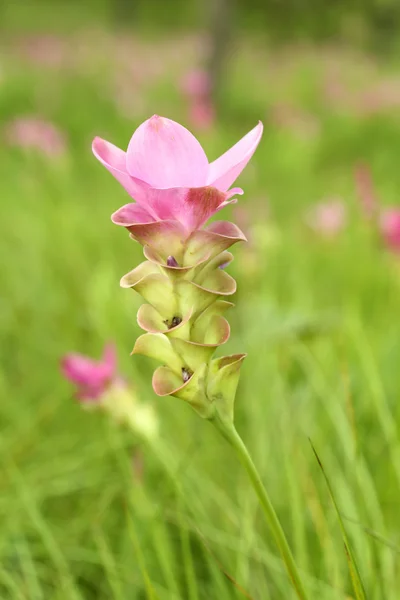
(91,377)
(165,168)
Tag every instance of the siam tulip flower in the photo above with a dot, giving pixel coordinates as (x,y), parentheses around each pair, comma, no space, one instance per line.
(99,385)
(328,218)
(183,280)
(166,171)
(92,378)
(34,133)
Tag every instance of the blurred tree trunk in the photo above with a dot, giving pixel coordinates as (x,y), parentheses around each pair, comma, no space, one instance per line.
(220,35)
(124,12)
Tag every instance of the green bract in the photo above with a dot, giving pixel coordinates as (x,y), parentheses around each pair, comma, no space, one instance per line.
(184,285)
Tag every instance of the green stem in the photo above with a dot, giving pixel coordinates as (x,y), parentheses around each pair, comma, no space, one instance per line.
(229,432)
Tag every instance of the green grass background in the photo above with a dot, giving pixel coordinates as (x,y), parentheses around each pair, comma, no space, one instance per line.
(319,320)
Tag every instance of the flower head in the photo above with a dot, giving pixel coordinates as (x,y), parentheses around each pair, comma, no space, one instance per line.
(100,386)
(92,378)
(167,172)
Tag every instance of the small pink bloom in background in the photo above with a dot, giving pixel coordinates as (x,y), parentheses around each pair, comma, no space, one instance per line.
(328,218)
(45,50)
(387,219)
(390,228)
(92,378)
(365,191)
(99,386)
(196,87)
(196,84)
(34,133)
(202,114)
(166,171)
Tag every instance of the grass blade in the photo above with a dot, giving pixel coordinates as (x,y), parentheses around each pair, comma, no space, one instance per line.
(353,568)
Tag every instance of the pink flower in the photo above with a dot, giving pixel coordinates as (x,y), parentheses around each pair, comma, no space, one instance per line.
(328,218)
(35,133)
(92,378)
(202,114)
(166,171)
(196,84)
(387,220)
(390,228)
(46,50)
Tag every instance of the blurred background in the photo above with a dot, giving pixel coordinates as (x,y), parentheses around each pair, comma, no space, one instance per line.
(87,510)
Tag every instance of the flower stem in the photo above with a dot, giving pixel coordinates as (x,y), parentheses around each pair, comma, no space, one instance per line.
(229,432)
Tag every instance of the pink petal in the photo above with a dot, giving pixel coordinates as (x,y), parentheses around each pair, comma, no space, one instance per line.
(165,154)
(91,377)
(192,207)
(200,204)
(227,168)
(114,160)
(131,214)
(82,370)
(160,235)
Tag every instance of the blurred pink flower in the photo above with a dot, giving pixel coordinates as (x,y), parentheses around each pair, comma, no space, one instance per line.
(390,228)
(196,84)
(387,220)
(37,134)
(202,114)
(91,378)
(167,172)
(365,190)
(46,50)
(328,218)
